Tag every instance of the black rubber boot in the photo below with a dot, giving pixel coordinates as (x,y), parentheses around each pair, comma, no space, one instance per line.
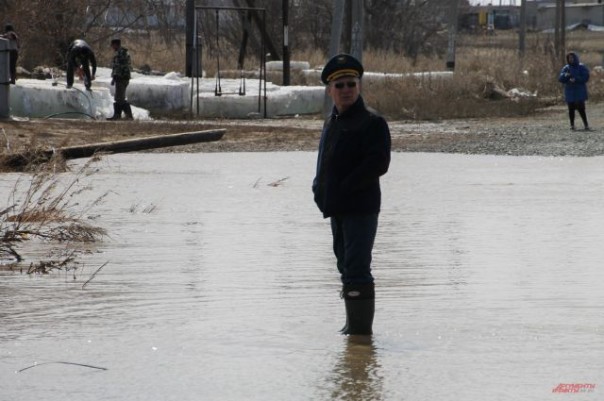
(360,308)
(117,112)
(127,110)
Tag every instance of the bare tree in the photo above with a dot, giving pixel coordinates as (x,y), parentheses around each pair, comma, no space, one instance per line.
(46,32)
(311,24)
(411,27)
(408,26)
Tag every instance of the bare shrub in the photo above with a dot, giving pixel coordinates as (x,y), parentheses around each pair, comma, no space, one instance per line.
(47,209)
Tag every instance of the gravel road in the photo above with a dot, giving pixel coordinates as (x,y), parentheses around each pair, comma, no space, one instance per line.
(545,133)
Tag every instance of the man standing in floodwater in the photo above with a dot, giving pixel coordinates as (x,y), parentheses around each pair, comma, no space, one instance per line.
(354,152)
(80,55)
(574,76)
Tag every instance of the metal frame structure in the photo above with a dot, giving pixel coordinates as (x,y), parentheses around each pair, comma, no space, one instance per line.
(197,56)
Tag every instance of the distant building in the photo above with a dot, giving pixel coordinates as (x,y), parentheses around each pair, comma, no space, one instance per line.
(540,15)
(584,12)
(490,17)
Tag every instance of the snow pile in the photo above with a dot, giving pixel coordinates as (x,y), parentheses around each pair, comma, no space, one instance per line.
(237,98)
(205,97)
(314,75)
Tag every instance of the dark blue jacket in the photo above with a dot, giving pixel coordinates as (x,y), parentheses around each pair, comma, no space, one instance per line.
(353,153)
(574,91)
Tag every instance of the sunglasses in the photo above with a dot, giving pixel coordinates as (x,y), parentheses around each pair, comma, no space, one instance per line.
(349,84)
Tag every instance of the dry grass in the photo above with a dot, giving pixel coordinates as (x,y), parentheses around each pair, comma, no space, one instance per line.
(481,62)
(47,209)
(31,159)
(150,49)
(435,99)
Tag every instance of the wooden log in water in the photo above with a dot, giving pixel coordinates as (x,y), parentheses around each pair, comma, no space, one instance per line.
(16,162)
(132,145)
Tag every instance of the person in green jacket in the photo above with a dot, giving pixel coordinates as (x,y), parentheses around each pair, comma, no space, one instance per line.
(121,66)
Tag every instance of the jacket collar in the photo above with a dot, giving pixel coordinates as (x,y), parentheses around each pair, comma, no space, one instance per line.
(356,107)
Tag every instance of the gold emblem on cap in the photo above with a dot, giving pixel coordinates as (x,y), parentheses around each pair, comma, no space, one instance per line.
(346,72)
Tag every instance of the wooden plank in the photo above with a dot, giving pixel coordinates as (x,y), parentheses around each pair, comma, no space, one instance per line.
(16,162)
(132,145)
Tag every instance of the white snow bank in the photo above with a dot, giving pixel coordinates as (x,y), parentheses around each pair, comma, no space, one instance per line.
(227,98)
(293,65)
(238,98)
(157,93)
(314,75)
(280,101)
(45,98)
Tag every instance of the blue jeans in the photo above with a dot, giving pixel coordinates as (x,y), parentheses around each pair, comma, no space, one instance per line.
(353,238)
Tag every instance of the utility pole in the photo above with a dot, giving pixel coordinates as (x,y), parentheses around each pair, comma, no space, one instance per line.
(560,31)
(557,29)
(336,27)
(190,32)
(4,78)
(286,63)
(522,31)
(563,31)
(452,34)
(334,43)
(357,34)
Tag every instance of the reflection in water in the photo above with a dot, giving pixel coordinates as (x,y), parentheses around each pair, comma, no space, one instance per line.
(357,373)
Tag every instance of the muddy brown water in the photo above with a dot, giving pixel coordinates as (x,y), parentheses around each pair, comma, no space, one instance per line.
(219,286)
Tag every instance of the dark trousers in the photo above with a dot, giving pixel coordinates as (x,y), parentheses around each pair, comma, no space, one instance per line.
(580,107)
(71,66)
(14,55)
(120,90)
(353,238)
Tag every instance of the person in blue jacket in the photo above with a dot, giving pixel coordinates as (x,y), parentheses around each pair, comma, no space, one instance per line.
(574,76)
(354,151)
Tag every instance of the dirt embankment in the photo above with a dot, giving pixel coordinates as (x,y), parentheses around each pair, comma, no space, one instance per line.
(546,133)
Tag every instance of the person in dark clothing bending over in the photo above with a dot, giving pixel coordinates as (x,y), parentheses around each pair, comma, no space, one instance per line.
(14,46)
(354,152)
(120,77)
(574,76)
(80,55)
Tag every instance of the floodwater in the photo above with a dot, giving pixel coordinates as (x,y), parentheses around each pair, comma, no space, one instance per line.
(489,280)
